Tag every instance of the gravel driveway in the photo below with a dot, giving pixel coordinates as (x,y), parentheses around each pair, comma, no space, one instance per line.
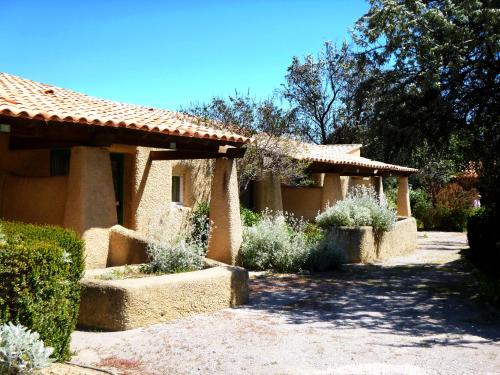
(411,315)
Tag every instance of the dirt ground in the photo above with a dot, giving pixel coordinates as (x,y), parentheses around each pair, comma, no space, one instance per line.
(417,314)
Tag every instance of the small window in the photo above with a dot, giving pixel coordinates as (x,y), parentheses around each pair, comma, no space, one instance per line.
(177,185)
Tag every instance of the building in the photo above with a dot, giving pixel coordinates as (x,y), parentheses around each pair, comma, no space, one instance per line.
(89,164)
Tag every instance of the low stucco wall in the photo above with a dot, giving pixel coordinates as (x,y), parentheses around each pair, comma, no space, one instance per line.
(361,245)
(118,305)
(126,246)
(302,201)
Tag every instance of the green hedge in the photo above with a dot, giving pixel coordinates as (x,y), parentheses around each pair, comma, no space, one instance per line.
(40,269)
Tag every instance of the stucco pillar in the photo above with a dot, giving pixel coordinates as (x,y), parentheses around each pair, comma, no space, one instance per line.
(378,186)
(332,190)
(403,197)
(318,179)
(344,180)
(226,237)
(268,193)
(90,203)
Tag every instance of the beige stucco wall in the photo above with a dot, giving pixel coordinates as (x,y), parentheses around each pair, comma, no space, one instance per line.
(34,163)
(148,193)
(130,303)
(126,246)
(302,201)
(37,200)
(362,245)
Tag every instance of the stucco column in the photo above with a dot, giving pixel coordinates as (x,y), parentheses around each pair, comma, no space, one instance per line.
(226,237)
(378,186)
(403,197)
(90,202)
(268,193)
(332,190)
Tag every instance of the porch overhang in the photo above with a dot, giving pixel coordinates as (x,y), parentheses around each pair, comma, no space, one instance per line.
(26,134)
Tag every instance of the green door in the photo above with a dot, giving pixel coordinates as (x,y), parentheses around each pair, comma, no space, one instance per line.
(117,167)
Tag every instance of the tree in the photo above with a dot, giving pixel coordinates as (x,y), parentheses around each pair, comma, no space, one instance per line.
(322,92)
(269,126)
(434,80)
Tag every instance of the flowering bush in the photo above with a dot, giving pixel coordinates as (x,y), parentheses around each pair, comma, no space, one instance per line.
(361,207)
(276,242)
(22,351)
(181,252)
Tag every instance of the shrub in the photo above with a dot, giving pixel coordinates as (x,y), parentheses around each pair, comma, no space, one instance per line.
(200,224)
(22,351)
(40,270)
(248,217)
(181,252)
(325,256)
(360,208)
(483,236)
(277,242)
(175,256)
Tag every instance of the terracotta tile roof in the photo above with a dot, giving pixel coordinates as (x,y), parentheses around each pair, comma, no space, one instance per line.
(339,155)
(23,98)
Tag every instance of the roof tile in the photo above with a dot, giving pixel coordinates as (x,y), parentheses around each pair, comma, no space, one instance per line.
(20,97)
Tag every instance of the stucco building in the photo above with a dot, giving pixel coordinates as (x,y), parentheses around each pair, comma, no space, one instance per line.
(89,164)
(335,169)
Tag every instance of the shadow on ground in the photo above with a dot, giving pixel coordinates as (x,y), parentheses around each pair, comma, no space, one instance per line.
(417,300)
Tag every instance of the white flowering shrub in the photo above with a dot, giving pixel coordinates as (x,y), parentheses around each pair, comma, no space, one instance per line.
(361,207)
(277,242)
(22,351)
(180,252)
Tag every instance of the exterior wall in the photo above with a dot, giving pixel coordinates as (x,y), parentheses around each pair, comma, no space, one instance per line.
(148,190)
(33,163)
(126,247)
(118,305)
(361,245)
(27,193)
(36,200)
(302,201)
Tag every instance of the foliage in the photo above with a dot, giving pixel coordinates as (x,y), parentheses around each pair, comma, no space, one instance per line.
(484,240)
(180,252)
(433,89)
(268,125)
(277,242)
(325,256)
(200,224)
(248,217)
(360,208)
(321,91)
(22,351)
(175,256)
(40,270)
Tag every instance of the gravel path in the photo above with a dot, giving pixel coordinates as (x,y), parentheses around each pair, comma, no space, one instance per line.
(410,315)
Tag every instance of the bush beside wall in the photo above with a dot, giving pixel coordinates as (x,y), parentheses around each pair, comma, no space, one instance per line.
(40,270)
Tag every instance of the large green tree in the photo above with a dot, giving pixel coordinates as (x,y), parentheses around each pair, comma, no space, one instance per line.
(434,83)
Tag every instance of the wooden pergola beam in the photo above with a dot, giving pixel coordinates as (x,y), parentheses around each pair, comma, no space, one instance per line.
(231,153)
(26,134)
(352,170)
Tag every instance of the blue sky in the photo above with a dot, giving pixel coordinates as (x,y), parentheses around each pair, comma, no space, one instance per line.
(167,54)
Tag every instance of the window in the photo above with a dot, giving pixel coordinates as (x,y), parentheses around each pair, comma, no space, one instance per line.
(177,185)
